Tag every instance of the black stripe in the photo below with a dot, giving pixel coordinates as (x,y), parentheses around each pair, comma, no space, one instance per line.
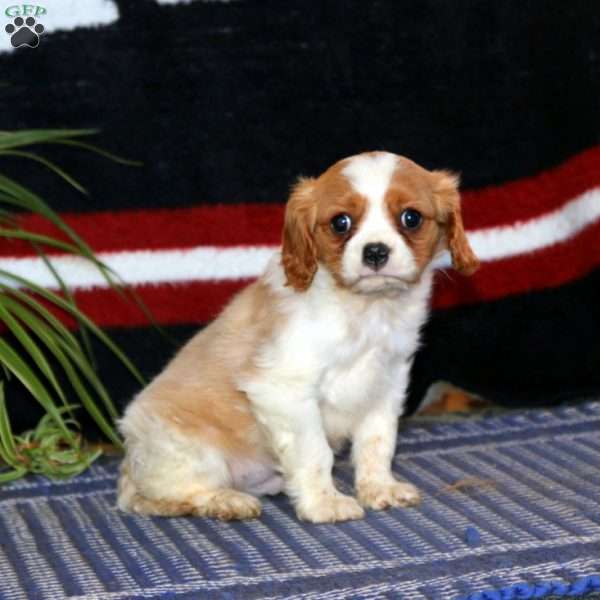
(229,102)
(535,349)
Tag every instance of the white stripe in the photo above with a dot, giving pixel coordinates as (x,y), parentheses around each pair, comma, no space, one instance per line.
(62,15)
(147,266)
(206,263)
(495,243)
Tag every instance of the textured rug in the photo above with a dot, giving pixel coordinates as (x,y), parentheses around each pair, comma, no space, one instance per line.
(510,510)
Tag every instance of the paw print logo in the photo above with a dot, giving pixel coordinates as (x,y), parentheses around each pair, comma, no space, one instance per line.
(24,33)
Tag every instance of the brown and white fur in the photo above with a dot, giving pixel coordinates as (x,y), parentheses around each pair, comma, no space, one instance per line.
(317,351)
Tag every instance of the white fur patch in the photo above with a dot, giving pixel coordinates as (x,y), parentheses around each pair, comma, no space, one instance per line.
(370,174)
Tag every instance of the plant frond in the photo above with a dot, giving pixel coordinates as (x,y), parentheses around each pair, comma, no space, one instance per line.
(101,152)
(27,236)
(30,346)
(46,451)
(69,358)
(30,137)
(62,303)
(83,332)
(21,370)
(48,164)
(53,448)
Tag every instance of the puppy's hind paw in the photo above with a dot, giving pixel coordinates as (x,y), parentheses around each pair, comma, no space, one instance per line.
(330,508)
(380,495)
(227,505)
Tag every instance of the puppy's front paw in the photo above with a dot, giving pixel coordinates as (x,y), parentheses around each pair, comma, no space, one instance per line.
(329,508)
(379,495)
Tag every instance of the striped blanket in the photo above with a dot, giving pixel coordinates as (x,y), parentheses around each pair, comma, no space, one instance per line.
(227,102)
(510,511)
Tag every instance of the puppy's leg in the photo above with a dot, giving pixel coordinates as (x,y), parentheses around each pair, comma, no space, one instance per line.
(225,504)
(373,447)
(165,473)
(298,439)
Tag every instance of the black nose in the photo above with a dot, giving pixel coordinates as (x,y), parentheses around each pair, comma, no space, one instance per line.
(375,255)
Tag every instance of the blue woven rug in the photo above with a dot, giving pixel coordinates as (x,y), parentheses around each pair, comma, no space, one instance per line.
(524,522)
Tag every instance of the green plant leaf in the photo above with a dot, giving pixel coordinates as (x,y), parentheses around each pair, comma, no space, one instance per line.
(30,346)
(7,217)
(26,199)
(60,348)
(8,451)
(21,234)
(46,451)
(101,152)
(89,373)
(29,137)
(16,139)
(47,163)
(52,448)
(30,380)
(17,195)
(90,405)
(43,312)
(83,332)
(17,473)
(12,193)
(61,303)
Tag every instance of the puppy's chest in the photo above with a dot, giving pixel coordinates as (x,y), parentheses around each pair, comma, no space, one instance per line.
(361,366)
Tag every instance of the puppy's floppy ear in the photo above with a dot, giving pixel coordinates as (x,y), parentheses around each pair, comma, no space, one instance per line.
(447,199)
(299,253)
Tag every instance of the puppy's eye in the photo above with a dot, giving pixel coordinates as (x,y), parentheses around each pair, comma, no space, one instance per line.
(341,224)
(411,219)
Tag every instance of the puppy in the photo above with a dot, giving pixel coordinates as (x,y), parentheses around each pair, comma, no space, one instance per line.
(315,352)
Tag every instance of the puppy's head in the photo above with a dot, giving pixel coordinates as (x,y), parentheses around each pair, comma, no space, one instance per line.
(375,221)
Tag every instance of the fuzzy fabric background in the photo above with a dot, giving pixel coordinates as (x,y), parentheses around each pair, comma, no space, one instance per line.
(226,103)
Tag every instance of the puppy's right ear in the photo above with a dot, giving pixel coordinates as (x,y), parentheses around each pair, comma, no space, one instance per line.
(299,253)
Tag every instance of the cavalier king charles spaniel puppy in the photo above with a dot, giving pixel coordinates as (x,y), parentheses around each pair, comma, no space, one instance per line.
(314,353)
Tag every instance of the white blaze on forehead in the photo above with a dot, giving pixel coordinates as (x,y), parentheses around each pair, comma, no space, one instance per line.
(370,174)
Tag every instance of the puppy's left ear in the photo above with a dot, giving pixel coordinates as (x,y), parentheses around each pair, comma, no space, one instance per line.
(447,198)
(299,253)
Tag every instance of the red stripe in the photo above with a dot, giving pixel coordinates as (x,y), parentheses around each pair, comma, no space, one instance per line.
(229,225)
(546,268)
(171,304)
(154,229)
(532,197)
(199,302)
